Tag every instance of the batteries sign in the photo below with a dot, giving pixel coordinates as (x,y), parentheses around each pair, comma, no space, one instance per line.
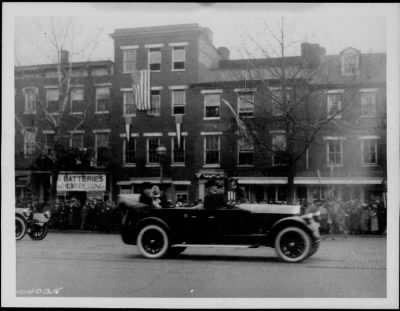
(81,182)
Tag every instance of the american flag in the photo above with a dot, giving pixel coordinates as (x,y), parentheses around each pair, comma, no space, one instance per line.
(141,87)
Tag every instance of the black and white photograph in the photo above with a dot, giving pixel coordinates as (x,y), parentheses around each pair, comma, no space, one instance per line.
(200,155)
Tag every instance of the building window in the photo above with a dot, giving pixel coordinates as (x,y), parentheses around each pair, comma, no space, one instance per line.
(128,60)
(102,144)
(246,105)
(76,141)
(178,58)
(178,154)
(279,146)
(245,152)
(211,104)
(129,152)
(52,101)
(29,142)
(77,103)
(129,106)
(211,149)
(350,62)
(334,105)
(102,99)
(155,103)
(152,144)
(277,102)
(31,94)
(49,142)
(368,104)
(369,151)
(335,152)
(155,59)
(178,101)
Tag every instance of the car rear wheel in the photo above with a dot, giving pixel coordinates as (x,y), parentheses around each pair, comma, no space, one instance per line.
(39,232)
(293,244)
(20,228)
(153,241)
(314,249)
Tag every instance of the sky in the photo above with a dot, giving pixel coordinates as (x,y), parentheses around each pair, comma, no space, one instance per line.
(234,25)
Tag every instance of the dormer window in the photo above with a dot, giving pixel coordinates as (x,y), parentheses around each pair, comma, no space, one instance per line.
(350,62)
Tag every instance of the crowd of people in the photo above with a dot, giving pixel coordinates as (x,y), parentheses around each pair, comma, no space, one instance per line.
(93,214)
(349,217)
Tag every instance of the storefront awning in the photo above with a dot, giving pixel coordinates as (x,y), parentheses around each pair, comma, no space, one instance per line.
(140,180)
(311,180)
(210,173)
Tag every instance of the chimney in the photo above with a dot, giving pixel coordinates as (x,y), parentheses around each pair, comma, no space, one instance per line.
(224,52)
(64,57)
(312,53)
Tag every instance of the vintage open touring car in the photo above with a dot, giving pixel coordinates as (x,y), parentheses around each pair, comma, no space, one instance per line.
(160,232)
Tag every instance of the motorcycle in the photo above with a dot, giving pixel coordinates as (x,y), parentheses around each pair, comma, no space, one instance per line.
(35,224)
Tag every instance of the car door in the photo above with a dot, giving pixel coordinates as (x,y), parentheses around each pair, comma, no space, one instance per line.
(233,226)
(200,226)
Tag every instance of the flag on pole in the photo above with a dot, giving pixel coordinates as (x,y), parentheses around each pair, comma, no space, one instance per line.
(128,122)
(178,121)
(141,88)
(242,127)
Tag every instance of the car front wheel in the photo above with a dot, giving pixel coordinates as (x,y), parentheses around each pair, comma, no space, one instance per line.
(153,241)
(20,228)
(293,244)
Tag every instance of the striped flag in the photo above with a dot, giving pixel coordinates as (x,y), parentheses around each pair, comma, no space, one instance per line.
(141,87)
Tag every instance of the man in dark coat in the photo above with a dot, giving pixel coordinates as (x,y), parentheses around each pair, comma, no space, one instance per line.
(146,196)
(214,198)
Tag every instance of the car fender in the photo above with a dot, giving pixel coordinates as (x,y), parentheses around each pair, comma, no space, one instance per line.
(150,220)
(295,221)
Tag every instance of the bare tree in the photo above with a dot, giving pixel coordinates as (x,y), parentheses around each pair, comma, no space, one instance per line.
(62,46)
(290,88)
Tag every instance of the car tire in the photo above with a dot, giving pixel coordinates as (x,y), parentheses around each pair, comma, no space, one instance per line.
(175,251)
(40,233)
(293,244)
(314,249)
(20,228)
(153,241)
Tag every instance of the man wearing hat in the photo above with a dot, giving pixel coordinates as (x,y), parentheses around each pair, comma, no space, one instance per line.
(215,196)
(146,196)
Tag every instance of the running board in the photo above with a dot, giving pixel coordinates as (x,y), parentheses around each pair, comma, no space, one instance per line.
(215,245)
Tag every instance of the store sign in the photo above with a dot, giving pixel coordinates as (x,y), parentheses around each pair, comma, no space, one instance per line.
(81,182)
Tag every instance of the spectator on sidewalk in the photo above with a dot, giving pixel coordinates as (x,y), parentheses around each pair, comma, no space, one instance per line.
(84,214)
(355,216)
(364,218)
(381,216)
(374,218)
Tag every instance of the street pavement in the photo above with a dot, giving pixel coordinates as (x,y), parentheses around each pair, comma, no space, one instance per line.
(67,264)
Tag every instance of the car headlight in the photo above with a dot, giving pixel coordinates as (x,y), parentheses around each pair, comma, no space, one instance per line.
(27,212)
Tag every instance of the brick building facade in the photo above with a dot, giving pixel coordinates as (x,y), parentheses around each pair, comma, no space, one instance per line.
(191,77)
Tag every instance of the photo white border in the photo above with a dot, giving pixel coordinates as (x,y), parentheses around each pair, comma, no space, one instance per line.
(390,11)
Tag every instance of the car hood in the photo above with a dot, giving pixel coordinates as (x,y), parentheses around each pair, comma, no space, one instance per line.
(270,208)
